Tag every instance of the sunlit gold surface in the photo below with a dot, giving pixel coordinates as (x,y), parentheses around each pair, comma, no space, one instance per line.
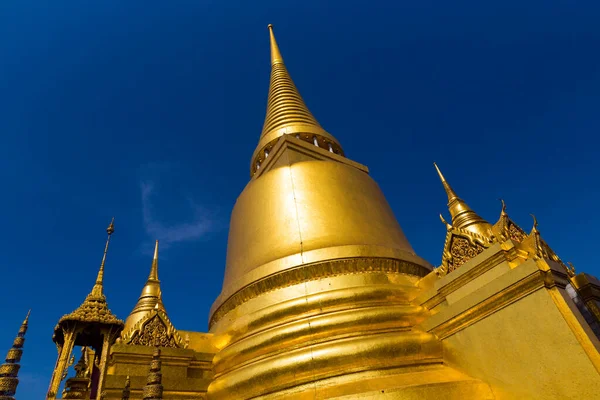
(463,216)
(287,114)
(324,298)
(325,210)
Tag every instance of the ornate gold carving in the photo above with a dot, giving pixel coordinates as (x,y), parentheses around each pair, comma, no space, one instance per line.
(515,233)
(309,272)
(154,332)
(462,251)
(154,388)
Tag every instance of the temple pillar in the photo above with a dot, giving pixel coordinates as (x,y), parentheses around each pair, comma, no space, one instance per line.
(62,364)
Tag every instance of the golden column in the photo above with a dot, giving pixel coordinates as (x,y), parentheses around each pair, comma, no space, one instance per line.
(91,325)
(10,369)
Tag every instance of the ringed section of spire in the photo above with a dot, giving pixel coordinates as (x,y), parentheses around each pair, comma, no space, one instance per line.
(10,369)
(287,114)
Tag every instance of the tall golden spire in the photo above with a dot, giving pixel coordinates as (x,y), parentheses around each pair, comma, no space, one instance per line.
(154,388)
(287,114)
(463,216)
(151,296)
(97,290)
(285,106)
(10,369)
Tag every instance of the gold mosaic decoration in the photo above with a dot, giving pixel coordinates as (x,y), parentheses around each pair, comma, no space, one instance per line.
(462,251)
(156,330)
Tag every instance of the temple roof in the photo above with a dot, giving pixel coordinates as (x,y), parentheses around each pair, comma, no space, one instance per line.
(94,308)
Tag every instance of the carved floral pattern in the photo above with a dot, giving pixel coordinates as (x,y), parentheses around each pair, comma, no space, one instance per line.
(155,334)
(462,251)
(515,233)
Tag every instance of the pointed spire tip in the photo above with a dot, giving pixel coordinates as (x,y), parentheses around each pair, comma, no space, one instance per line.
(154,269)
(276,57)
(439,172)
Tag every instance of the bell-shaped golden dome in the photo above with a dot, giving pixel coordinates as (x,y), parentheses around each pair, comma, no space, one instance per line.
(306,203)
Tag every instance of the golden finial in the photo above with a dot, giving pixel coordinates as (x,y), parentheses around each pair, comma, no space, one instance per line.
(503,212)
(463,216)
(26,320)
(449,191)
(275,53)
(10,369)
(111,227)
(535,223)
(100,278)
(448,226)
(154,269)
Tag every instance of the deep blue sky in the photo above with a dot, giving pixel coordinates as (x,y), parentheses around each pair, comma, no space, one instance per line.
(149,111)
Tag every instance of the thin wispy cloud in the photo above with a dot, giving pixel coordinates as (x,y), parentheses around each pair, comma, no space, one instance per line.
(202,222)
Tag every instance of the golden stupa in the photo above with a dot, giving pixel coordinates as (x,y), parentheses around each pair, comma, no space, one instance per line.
(324,298)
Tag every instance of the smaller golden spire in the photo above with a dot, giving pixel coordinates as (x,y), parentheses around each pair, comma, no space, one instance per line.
(94,308)
(10,369)
(97,289)
(150,301)
(154,388)
(449,191)
(463,216)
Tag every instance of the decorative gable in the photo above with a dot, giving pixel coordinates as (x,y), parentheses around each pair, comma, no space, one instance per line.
(155,330)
